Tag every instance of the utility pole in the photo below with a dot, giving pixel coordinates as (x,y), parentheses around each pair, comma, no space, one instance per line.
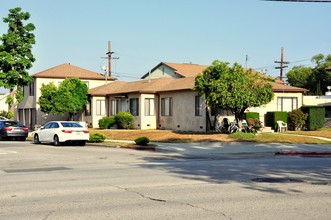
(109,58)
(109,53)
(281,65)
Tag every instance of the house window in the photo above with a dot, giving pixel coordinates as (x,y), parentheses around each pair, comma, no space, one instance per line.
(31,89)
(100,107)
(287,104)
(149,107)
(134,106)
(115,106)
(166,106)
(198,106)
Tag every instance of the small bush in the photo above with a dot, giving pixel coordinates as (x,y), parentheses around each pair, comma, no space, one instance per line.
(97,137)
(272,118)
(297,119)
(106,122)
(254,125)
(254,115)
(142,141)
(9,114)
(124,120)
(316,116)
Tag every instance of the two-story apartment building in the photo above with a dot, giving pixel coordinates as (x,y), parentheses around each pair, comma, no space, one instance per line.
(28,112)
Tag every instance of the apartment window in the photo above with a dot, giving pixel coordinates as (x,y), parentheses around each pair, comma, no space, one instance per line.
(134,106)
(115,106)
(287,104)
(100,107)
(31,89)
(166,106)
(149,107)
(198,106)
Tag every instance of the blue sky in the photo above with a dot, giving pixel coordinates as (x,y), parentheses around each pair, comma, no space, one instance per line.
(144,33)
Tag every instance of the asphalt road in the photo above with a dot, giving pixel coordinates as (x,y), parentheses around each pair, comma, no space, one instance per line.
(46,182)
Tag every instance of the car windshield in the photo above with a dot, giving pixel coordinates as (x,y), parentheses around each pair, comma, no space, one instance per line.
(71,125)
(13,124)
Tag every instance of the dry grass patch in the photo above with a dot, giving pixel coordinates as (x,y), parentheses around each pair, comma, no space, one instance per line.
(324,132)
(163,136)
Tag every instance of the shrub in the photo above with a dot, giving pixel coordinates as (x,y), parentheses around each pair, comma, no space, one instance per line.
(254,125)
(124,120)
(106,122)
(97,137)
(142,141)
(316,117)
(254,115)
(273,117)
(297,119)
(9,114)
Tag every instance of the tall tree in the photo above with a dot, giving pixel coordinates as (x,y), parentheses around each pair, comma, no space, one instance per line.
(70,97)
(233,88)
(314,79)
(15,50)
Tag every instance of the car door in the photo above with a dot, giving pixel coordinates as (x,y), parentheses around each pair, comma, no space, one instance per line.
(44,132)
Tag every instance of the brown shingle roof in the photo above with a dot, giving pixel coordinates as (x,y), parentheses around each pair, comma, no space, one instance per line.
(166,85)
(182,69)
(186,69)
(68,71)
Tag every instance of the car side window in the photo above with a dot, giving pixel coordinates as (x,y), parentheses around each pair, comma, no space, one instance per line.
(48,126)
(55,125)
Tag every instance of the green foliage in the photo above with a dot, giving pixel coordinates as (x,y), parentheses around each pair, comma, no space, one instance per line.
(71,96)
(242,135)
(124,120)
(46,100)
(273,117)
(106,122)
(233,88)
(142,141)
(9,100)
(96,138)
(16,50)
(254,115)
(8,115)
(314,79)
(297,119)
(316,117)
(19,94)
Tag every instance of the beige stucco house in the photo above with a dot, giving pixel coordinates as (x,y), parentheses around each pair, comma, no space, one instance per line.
(28,112)
(165,99)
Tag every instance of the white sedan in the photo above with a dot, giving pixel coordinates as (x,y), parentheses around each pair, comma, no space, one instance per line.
(58,132)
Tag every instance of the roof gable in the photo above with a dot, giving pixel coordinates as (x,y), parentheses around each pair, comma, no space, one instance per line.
(69,71)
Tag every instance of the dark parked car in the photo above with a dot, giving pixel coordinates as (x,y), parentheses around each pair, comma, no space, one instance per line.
(13,130)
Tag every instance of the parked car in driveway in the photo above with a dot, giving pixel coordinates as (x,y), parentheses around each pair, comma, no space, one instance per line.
(13,130)
(58,132)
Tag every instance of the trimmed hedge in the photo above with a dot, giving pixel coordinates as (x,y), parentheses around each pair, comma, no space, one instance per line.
(271,118)
(316,117)
(254,115)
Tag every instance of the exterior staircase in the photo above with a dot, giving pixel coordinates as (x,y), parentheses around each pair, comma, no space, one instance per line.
(267,130)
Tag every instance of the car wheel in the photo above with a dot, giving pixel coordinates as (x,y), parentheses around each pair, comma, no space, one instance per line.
(36,139)
(56,141)
(82,143)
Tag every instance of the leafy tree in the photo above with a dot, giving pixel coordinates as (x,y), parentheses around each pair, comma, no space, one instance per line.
(233,88)
(314,79)
(46,100)
(70,97)
(299,76)
(15,50)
